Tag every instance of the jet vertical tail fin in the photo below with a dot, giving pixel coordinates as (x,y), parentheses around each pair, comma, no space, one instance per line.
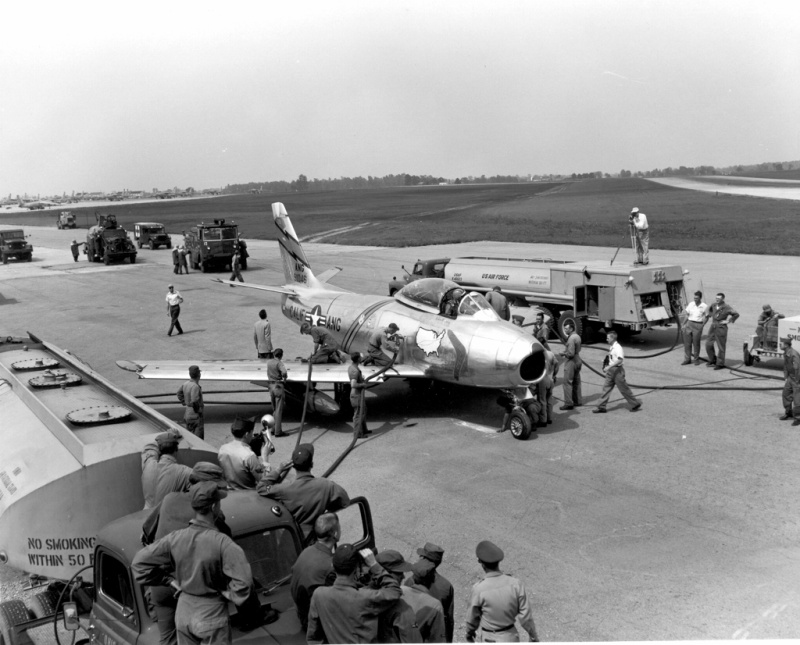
(296,268)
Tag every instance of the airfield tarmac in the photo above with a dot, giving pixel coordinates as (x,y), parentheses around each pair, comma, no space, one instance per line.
(678,522)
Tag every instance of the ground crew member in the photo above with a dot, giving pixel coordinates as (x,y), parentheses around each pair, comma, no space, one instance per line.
(572,368)
(325,347)
(379,339)
(174,300)
(791,388)
(721,315)
(150,456)
(208,567)
(175,260)
(641,230)
(314,566)
(547,384)
(768,318)
(357,400)
(276,375)
(615,375)
(692,329)
(171,477)
(398,624)
(243,254)
(307,497)
(541,332)
(182,264)
(236,265)
(499,303)
(243,468)
(437,585)
(262,335)
(497,601)
(427,609)
(190,395)
(506,400)
(74,247)
(348,612)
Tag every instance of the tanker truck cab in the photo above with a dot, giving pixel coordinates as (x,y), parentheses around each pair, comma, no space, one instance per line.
(271,540)
(422,269)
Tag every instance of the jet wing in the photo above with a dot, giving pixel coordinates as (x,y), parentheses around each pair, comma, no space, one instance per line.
(256,370)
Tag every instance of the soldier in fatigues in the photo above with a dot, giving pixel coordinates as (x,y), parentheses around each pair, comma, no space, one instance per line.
(191,395)
(572,368)
(791,389)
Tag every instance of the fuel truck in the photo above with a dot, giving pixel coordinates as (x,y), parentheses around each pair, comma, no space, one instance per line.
(106,242)
(593,295)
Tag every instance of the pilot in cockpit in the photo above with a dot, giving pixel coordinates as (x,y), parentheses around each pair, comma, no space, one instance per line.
(451,301)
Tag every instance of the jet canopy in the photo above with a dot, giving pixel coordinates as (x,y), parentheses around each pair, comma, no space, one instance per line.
(445,297)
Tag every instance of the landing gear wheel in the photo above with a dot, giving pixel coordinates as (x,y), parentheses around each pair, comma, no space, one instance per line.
(747,356)
(520,425)
(569,316)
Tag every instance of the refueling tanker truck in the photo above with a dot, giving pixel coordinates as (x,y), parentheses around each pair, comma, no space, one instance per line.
(71,508)
(593,295)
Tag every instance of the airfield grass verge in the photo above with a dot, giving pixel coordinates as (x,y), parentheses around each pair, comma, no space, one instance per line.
(592,212)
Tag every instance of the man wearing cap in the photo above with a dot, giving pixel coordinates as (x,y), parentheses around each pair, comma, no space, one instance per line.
(499,303)
(497,602)
(190,395)
(175,512)
(172,477)
(347,612)
(791,388)
(174,300)
(207,568)
(307,497)
(243,468)
(436,585)
(74,247)
(276,375)
(692,328)
(314,566)
(262,335)
(398,624)
(641,230)
(572,367)
(379,340)
(721,315)
(326,348)
(768,318)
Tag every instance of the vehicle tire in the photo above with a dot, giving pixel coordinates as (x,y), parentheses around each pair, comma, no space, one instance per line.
(44,604)
(169,245)
(30,257)
(204,267)
(5,259)
(747,356)
(58,225)
(152,246)
(569,316)
(133,259)
(12,612)
(520,425)
(106,259)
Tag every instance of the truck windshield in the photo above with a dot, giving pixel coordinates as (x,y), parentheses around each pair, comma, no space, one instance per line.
(13,235)
(154,230)
(271,555)
(417,269)
(229,233)
(211,234)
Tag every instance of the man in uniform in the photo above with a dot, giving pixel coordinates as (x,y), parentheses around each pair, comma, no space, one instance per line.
(150,456)
(276,375)
(74,247)
(190,395)
(171,476)
(379,340)
(497,601)
(693,328)
(428,611)
(174,300)
(243,468)
(641,230)
(175,259)
(541,332)
(325,347)
(721,315)
(307,497)
(398,624)
(314,566)
(357,400)
(768,318)
(262,335)
(182,264)
(546,385)
(348,612)
(791,388)
(572,368)
(208,569)
(243,253)
(615,375)
(437,585)
(499,303)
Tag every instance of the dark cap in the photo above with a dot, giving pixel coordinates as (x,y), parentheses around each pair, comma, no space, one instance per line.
(393,561)
(345,558)
(303,456)
(305,327)
(423,568)
(194,371)
(168,439)
(786,340)
(489,553)
(432,552)
(766,307)
(392,326)
(205,471)
(204,494)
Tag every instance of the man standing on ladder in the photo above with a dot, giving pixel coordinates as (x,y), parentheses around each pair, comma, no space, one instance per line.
(640,236)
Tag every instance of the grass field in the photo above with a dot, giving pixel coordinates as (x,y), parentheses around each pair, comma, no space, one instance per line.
(592,212)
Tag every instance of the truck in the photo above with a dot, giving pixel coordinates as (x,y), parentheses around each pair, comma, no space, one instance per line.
(212,245)
(593,295)
(106,242)
(151,233)
(13,245)
(71,506)
(65,219)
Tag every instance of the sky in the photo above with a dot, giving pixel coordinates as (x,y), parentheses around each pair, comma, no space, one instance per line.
(143,95)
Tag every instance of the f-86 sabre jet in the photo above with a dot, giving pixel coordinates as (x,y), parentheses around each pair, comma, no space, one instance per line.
(445,334)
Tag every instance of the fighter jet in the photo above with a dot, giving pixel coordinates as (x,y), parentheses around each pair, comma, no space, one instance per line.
(445,333)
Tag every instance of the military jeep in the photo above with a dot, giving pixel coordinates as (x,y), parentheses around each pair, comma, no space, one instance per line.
(152,234)
(13,245)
